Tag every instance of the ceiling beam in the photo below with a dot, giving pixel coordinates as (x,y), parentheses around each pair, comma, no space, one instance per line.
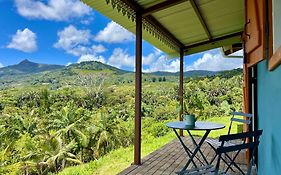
(201,19)
(136,7)
(214,43)
(161,6)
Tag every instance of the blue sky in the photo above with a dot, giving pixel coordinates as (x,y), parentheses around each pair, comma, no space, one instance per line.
(67,31)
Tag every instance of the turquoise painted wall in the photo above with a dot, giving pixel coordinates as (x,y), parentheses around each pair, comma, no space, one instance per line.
(269,119)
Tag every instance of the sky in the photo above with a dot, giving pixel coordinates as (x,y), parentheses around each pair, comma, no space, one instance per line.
(65,32)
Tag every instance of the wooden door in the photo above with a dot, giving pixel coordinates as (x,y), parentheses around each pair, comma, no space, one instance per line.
(254,32)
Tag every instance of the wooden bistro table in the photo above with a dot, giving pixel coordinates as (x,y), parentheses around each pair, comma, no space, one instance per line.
(199,126)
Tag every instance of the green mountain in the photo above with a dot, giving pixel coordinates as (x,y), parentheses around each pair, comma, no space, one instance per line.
(96,66)
(192,73)
(27,67)
(28,73)
(230,73)
(201,73)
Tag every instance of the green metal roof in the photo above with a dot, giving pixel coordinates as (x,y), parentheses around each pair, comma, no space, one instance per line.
(180,25)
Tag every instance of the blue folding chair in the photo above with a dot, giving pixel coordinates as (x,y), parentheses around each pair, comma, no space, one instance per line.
(223,149)
(215,143)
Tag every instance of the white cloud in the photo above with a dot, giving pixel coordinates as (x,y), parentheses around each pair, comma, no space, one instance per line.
(87,21)
(215,62)
(114,33)
(163,64)
(211,60)
(157,51)
(150,58)
(77,42)
(68,64)
(120,58)
(91,57)
(58,10)
(238,53)
(79,50)
(156,61)
(98,48)
(1,65)
(71,40)
(23,40)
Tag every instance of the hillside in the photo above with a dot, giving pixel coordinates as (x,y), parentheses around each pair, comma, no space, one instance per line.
(97,66)
(60,122)
(28,73)
(57,119)
(27,67)
(192,73)
(200,73)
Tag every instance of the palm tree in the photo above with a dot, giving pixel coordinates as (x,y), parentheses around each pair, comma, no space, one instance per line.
(105,136)
(58,154)
(68,125)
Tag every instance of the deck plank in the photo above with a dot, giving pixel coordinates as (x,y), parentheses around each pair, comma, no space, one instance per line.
(168,159)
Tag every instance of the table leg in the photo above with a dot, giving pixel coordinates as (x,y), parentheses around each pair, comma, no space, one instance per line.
(196,149)
(189,152)
(196,145)
(185,148)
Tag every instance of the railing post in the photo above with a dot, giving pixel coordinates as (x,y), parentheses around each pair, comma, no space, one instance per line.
(181,87)
(138,79)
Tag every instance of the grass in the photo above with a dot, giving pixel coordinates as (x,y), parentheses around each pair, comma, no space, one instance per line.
(120,159)
(217,133)
(117,160)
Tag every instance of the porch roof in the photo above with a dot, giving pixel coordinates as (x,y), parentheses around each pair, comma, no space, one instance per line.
(171,25)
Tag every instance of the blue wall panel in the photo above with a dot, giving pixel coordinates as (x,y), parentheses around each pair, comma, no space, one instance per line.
(269,119)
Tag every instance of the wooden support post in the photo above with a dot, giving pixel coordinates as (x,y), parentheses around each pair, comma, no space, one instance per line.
(138,79)
(246,100)
(181,87)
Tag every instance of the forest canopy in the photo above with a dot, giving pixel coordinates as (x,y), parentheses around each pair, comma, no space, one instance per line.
(47,127)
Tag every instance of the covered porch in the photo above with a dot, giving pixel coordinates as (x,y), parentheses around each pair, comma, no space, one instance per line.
(184,27)
(177,27)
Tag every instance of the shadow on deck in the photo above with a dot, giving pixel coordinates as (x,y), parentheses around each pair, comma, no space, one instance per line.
(170,159)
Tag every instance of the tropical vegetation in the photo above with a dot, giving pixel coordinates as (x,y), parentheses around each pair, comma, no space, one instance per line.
(68,116)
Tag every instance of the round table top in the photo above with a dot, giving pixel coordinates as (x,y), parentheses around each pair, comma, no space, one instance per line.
(199,125)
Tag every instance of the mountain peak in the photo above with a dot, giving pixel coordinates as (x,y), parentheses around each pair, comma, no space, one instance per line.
(28,67)
(25,61)
(95,65)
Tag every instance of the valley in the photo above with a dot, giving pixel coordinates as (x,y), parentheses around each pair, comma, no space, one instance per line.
(55,117)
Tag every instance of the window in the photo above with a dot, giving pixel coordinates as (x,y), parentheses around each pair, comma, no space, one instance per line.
(275,23)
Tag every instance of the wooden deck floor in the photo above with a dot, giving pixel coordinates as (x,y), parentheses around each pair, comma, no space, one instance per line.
(168,159)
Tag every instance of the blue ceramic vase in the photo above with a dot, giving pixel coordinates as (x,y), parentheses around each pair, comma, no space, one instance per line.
(189,119)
